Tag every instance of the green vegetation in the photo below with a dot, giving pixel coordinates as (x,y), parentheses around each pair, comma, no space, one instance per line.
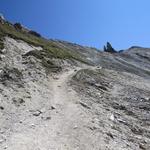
(1,44)
(45,60)
(1,41)
(50,47)
(50,66)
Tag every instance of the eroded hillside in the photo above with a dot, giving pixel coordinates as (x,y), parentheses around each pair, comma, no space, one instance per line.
(55,95)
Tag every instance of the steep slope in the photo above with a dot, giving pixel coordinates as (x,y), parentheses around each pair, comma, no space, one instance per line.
(136,63)
(59,95)
(118,106)
(88,53)
(50,48)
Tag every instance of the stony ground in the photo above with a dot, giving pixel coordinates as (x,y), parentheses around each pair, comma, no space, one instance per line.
(119,102)
(79,107)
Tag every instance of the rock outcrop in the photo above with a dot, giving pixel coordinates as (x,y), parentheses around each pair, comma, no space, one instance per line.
(108,48)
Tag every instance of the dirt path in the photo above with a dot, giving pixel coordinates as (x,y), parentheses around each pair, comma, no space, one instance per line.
(63,124)
(70,121)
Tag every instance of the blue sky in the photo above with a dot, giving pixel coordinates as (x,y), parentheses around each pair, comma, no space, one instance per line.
(124,23)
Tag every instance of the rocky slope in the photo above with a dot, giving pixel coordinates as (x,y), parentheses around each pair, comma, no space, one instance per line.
(56,95)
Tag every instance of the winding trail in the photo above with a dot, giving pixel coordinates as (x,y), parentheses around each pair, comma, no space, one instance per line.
(69,121)
(65,126)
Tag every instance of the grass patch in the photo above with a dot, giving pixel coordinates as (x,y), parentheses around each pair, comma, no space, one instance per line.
(50,66)
(1,44)
(45,60)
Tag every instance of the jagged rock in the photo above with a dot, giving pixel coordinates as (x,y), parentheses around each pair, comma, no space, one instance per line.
(10,74)
(112,117)
(101,87)
(36,113)
(52,108)
(1,107)
(109,48)
(110,135)
(84,105)
(2,57)
(1,72)
(3,51)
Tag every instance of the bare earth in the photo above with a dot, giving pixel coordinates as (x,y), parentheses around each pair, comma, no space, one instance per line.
(66,129)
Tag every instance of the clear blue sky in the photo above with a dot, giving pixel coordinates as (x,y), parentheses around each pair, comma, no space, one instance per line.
(88,22)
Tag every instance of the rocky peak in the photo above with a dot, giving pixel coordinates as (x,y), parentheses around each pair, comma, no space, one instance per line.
(109,48)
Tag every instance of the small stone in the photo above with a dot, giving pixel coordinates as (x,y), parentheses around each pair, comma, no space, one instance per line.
(28,96)
(110,135)
(141,146)
(84,105)
(112,117)
(37,113)
(1,71)
(52,108)
(1,107)
(20,122)
(75,127)
(5,147)
(3,50)
(93,128)
(48,118)
(147,98)
(43,110)
(2,56)
(55,78)
(32,125)
(1,140)
(120,120)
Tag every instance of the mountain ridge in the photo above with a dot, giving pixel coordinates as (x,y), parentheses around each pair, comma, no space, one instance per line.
(60,95)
